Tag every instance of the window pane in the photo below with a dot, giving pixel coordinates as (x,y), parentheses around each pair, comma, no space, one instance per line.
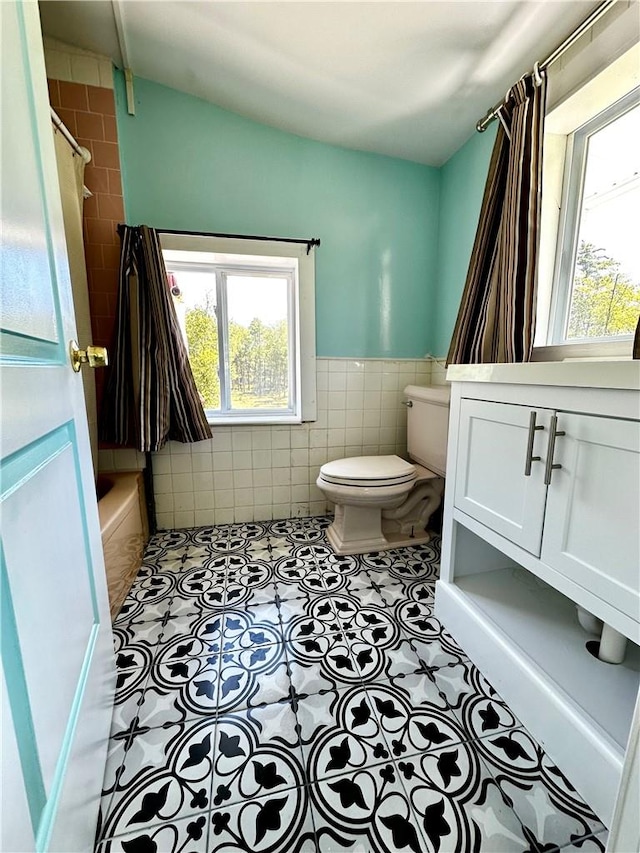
(605,297)
(195,302)
(257,307)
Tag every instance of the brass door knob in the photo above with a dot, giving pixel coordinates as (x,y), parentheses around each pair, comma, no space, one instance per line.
(93,356)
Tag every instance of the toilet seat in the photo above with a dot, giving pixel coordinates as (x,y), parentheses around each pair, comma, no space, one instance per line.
(368,472)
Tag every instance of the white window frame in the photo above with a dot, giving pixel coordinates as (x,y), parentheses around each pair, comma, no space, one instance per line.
(571,209)
(221,256)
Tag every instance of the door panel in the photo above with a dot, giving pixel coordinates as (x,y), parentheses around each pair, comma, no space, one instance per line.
(491,485)
(57,655)
(593,507)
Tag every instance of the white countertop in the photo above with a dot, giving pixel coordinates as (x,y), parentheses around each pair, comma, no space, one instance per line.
(577,374)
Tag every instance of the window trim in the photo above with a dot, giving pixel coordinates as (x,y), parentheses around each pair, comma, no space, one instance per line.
(302,303)
(567,242)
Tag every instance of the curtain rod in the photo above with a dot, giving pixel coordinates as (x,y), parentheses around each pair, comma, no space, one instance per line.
(64,130)
(555,54)
(314,241)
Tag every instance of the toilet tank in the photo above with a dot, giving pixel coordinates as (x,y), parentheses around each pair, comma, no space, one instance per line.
(427,425)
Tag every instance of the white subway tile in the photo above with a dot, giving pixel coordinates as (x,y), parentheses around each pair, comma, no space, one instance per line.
(387,435)
(374,365)
(243,514)
(85,69)
(372,381)
(224,499)
(201,462)
(184,519)
(354,418)
(370,435)
(243,479)
(355,381)
(262,496)
(282,510)
(352,450)
(281,494)
(262,477)
(202,447)
(243,497)
(371,418)
(165,521)
(164,503)
(204,517)
(318,507)
(389,382)
(281,476)
(337,365)
(162,484)
(241,440)
(222,439)
(337,419)
(222,461)
(300,436)
(299,457)
(300,510)
(182,482)
(161,463)
(390,399)
(372,399)
(336,400)
(223,480)
(261,459)
(300,476)
(183,501)
(242,459)
(337,382)
(280,458)
(353,435)
(182,464)
(204,500)
(322,381)
(261,438)
(281,439)
(317,438)
(322,365)
(262,513)
(177,447)
(223,516)
(317,456)
(203,481)
(335,437)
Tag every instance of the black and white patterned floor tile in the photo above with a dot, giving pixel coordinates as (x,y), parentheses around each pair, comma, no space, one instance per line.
(273,697)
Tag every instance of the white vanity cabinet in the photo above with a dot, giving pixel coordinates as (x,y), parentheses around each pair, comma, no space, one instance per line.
(542,513)
(563,486)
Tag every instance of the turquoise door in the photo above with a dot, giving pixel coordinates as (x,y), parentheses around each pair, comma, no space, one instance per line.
(57,661)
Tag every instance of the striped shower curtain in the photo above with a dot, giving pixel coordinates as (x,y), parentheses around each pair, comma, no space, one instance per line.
(150,395)
(496,319)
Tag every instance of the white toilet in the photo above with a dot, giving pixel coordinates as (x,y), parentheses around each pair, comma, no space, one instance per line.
(385,502)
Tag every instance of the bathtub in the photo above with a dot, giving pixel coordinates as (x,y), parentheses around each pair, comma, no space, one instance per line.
(124,531)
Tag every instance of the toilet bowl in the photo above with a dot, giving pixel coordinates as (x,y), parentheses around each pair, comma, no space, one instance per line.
(384,502)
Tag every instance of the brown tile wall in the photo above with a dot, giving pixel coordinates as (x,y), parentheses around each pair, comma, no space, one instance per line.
(90,114)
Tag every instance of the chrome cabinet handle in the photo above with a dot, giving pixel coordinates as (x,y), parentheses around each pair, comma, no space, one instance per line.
(553,434)
(532,434)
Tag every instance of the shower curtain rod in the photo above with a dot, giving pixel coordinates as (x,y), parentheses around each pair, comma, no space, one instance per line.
(64,130)
(539,67)
(314,241)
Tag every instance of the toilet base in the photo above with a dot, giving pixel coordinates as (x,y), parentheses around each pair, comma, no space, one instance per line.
(362,530)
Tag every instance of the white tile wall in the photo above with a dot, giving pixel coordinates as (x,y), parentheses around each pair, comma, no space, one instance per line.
(264,472)
(75,65)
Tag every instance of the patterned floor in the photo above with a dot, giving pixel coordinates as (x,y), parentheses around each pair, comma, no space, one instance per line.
(273,696)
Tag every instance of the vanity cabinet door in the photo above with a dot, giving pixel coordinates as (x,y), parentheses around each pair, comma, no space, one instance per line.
(490,483)
(592,521)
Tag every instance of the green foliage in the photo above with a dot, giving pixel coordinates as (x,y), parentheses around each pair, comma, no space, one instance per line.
(202,335)
(604,300)
(258,361)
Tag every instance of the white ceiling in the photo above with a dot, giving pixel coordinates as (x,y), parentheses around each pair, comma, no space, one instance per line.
(407,79)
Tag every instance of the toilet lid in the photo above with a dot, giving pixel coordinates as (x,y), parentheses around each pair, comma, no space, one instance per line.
(368,471)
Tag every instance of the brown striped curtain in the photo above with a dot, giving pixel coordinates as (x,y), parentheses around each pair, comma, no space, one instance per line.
(496,319)
(150,395)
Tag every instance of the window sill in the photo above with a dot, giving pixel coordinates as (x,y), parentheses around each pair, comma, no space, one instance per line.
(614,350)
(248,421)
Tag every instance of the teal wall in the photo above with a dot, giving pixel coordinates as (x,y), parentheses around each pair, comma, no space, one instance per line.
(461,189)
(188,164)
